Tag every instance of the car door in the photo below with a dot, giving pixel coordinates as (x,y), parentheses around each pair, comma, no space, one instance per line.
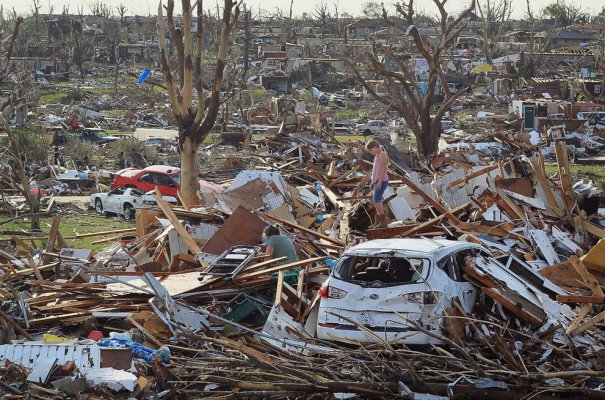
(145,182)
(113,200)
(453,266)
(167,186)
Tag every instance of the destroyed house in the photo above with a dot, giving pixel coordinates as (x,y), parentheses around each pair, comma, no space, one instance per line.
(275,60)
(570,37)
(138,52)
(366,27)
(281,84)
(38,64)
(576,57)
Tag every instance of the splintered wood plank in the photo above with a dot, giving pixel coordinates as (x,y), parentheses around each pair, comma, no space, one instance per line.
(513,306)
(564,174)
(280,287)
(302,229)
(539,176)
(600,318)
(591,282)
(474,175)
(178,227)
(52,235)
(34,267)
(578,319)
(285,267)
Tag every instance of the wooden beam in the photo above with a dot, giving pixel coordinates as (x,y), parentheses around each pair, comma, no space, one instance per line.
(34,267)
(103,233)
(268,271)
(474,175)
(52,235)
(578,319)
(539,176)
(178,227)
(17,327)
(589,324)
(301,228)
(564,174)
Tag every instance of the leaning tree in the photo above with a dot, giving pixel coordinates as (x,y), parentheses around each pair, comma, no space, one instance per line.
(16,177)
(194,117)
(413,102)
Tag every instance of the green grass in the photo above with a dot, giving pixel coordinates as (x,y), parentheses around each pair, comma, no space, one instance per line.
(352,137)
(53,98)
(72,225)
(593,172)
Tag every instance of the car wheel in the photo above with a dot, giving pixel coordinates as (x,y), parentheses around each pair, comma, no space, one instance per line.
(128,212)
(367,132)
(99,206)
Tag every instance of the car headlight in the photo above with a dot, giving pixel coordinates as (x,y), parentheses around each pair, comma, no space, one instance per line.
(428,297)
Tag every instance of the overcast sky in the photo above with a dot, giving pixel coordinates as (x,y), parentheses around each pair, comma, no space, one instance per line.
(144,7)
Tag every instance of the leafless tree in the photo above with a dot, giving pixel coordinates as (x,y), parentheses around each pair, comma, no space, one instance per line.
(100,9)
(76,42)
(112,37)
(412,103)
(36,6)
(336,3)
(321,13)
(290,24)
(247,39)
(121,8)
(536,48)
(195,120)
(495,16)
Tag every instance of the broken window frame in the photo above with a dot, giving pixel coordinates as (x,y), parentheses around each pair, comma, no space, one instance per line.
(418,277)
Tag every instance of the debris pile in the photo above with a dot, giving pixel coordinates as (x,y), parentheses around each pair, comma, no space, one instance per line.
(187,303)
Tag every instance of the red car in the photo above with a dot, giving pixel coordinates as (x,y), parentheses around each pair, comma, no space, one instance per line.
(166,178)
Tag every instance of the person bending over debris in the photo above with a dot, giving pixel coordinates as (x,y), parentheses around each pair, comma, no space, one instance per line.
(279,245)
(380,180)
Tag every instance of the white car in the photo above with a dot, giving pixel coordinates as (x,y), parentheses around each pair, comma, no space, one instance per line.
(373,127)
(380,283)
(123,201)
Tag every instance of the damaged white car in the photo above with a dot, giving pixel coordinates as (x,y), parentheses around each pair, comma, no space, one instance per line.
(123,201)
(380,284)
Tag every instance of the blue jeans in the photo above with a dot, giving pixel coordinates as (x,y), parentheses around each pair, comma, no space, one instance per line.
(379,193)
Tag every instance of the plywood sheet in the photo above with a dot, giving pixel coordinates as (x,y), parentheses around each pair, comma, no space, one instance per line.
(241,228)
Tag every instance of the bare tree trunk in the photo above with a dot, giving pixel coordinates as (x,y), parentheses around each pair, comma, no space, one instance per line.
(190,185)
(195,121)
(428,140)
(32,201)
(247,16)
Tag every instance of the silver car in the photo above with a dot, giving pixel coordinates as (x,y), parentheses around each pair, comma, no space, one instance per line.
(380,284)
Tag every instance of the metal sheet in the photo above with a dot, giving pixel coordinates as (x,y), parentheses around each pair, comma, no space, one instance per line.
(543,243)
(28,354)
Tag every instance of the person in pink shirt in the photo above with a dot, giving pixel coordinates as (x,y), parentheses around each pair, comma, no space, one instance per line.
(380,180)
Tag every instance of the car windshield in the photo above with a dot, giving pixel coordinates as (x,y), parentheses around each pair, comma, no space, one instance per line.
(381,271)
(177,178)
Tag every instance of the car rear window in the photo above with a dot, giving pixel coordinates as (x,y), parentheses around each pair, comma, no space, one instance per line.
(381,271)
